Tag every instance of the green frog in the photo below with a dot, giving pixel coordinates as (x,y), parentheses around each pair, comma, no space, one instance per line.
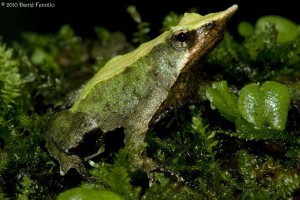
(134,89)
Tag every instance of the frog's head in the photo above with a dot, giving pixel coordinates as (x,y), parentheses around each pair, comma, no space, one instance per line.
(200,34)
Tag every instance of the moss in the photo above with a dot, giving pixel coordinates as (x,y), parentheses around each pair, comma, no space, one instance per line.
(143,29)
(21,127)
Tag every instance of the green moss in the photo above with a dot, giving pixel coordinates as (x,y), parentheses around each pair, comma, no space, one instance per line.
(10,84)
(143,29)
(172,19)
(20,126)
(256,185)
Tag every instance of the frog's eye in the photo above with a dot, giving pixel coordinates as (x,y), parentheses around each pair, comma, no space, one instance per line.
(182,39)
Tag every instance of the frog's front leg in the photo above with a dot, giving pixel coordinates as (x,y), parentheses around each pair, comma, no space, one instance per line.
(66,161)
(149,166)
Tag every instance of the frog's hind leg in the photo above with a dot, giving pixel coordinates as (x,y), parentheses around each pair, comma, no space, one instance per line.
(75,163)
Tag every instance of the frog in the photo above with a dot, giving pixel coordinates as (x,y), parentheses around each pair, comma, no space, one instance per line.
(132,90)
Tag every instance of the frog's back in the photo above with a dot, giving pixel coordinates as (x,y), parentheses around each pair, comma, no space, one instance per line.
(128,90)
(119,64)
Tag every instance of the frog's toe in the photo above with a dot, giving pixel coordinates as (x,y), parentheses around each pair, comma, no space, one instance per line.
(74,162)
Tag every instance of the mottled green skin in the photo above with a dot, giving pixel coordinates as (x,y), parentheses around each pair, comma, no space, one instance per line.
(129,90)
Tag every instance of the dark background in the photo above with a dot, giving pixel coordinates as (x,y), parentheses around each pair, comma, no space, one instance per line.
(84,15)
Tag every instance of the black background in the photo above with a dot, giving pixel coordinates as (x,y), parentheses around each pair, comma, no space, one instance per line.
(84,15)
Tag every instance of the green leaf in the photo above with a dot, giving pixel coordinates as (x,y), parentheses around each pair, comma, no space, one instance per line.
(258,107)
(266,106)
(80,193)
(223,99)
(250,105)
(287,29)
(277,100)
(245,29)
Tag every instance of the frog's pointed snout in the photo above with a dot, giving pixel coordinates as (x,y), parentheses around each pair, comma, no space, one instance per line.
(232,9)
(227,14)
(222,18)
(210,31)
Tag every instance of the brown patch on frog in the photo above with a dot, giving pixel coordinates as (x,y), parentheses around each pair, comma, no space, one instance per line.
(184,90)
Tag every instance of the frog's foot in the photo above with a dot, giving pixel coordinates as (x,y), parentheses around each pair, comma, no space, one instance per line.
(149,166)
(68,162)
(170,172)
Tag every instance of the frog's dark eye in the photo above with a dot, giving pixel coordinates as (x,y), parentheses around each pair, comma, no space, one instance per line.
(182,39)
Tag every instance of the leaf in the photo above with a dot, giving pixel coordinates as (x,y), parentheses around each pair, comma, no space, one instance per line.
(245,29)
(250,105)
(276,104)
(266,106)
(222,99)
(80,193)
(287,29)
